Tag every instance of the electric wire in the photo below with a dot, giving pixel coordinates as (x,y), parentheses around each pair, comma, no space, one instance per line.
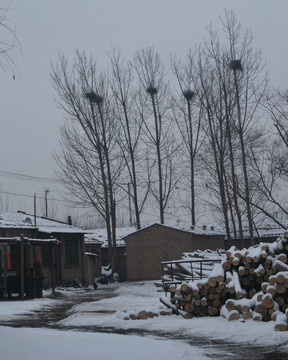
(39,197)
(18,176)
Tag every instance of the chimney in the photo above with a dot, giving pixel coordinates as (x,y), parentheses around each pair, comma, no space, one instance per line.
(69,220)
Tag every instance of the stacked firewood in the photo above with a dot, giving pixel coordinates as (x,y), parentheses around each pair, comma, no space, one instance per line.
(144,315)
(199,298)
(247,284)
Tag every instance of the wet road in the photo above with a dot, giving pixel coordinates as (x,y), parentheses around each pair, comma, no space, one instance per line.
(49,316)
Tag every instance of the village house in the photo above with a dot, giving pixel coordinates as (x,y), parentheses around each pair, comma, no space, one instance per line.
(139,253)
(55,248)
(62,254)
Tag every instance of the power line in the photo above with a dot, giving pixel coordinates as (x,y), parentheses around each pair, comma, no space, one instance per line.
(38,197)
(18,176)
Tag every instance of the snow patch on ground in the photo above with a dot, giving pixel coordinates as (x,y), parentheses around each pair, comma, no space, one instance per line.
(110,312)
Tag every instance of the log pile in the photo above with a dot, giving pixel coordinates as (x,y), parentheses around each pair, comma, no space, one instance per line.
(144,315)
(247,284)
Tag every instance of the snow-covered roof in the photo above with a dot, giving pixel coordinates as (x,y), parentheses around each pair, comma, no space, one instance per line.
(21,220)
(100,235)
(96,235)
(265,228)
(195,229)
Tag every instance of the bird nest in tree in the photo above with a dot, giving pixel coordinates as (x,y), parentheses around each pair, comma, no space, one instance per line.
(151,90)
(236,65)
(188,94)
(93,97)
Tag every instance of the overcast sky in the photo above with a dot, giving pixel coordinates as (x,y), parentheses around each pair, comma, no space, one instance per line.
(30,119)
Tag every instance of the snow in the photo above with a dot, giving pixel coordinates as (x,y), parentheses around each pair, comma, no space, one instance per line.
(26,221)
(59,345)
(96,235)
(100,235)
(266,228)
(197,229)
(132,297)
(8,309)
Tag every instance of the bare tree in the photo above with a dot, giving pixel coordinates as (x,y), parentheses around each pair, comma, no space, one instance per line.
(229,80)
(187,111)
(131,123)
(270,167)
(88,162)
(9,44)
(157,125)
(276,105)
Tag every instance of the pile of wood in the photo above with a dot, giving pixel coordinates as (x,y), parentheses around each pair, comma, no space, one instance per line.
(247,284)
(144,315)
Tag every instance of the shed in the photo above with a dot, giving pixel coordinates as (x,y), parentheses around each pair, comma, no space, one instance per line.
(148,247)
(69,261)
(20,266)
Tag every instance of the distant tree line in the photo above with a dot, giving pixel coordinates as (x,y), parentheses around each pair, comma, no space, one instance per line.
(204,134)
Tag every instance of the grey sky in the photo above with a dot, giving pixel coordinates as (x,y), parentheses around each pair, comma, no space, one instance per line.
(29,117)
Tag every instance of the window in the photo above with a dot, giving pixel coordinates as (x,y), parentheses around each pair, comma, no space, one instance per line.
(71,252)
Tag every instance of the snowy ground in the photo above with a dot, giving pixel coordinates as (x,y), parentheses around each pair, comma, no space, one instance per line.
(195,338)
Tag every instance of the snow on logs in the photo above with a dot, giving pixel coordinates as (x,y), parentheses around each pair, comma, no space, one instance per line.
(247,284)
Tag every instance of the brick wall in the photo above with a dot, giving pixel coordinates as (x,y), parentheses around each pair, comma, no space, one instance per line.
(147,248)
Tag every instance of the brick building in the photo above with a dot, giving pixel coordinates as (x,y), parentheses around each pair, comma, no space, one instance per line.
(148,247)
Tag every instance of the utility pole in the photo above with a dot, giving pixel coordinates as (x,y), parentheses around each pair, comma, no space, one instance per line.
(46,203)
(35,211)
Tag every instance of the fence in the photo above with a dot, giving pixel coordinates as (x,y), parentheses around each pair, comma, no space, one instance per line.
(178,271)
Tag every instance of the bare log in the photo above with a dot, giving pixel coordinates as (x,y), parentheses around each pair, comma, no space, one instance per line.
(213,311)
(189,307)
(267,301)
(261,309)
(212,282)
(280,288)
(230,305)
(281,266)
(168,304)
